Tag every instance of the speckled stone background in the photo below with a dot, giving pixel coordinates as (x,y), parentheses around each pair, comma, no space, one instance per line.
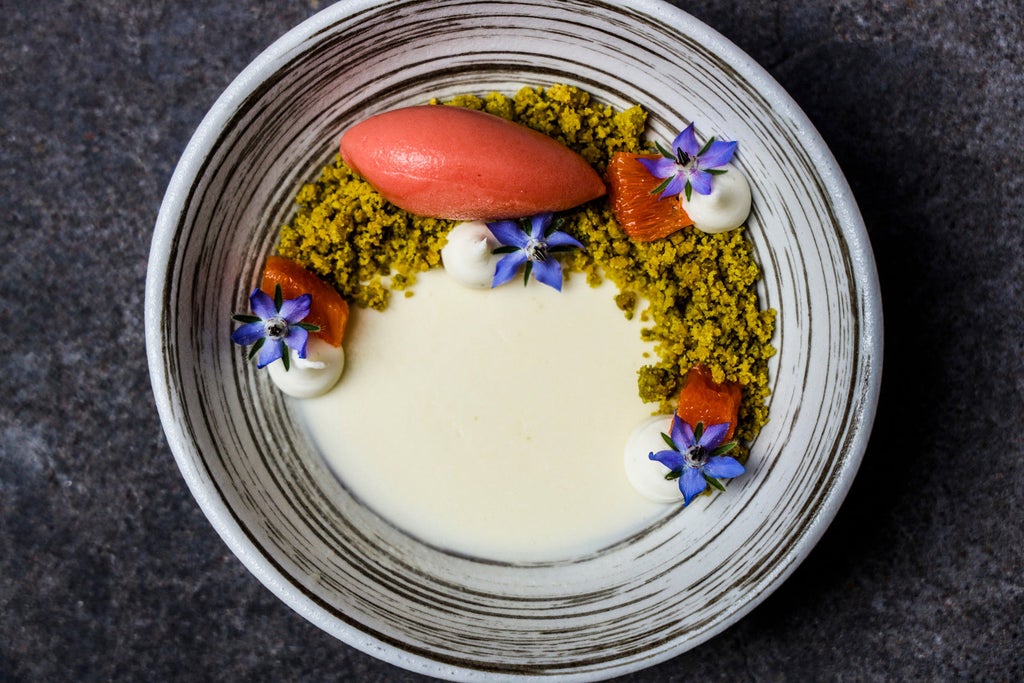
(108,570)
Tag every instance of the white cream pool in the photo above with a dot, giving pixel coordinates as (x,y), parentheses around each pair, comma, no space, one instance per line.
(491,422)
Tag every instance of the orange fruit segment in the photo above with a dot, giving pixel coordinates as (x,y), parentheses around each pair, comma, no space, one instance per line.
(641,214)
(704,400)
(328,310)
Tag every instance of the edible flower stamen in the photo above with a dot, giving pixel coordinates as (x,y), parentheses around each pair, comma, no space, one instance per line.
(277,321)
(696,457)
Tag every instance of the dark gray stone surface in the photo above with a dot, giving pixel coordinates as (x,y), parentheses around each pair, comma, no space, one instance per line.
(108,570)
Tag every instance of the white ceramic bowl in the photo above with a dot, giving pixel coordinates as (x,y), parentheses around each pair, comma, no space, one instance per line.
(259,479)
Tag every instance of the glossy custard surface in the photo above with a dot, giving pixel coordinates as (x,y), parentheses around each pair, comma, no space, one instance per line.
(491,422)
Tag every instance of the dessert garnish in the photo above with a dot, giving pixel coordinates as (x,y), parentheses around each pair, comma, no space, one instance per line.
(277,321)
(696,457)
(328,311)
(688,166)
(531,241)
(630,194)
(702,399)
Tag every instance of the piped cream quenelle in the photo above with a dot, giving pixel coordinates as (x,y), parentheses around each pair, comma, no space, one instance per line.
(726,207)
(648,476)
(469,254)
(313,375)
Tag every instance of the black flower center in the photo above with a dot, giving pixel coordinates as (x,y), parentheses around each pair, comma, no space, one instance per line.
(536,250)
(276,328)
(696,456)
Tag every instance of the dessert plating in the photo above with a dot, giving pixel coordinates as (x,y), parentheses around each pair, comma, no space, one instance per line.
(692,287)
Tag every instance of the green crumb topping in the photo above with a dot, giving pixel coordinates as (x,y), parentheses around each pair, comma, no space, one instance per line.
(627,301)
(595,131)
(697,291)
(701,298)
(353,238)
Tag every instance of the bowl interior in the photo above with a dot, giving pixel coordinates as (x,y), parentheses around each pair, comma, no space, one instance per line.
(256,473)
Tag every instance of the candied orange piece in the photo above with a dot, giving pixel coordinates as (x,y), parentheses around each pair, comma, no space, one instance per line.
(328,310)
(641,214)
(704,400)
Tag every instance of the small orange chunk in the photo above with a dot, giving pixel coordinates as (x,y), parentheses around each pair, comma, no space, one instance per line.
(641,214)
(703,400)
(328,310)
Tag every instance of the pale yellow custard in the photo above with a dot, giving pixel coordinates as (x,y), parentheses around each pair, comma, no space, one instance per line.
(491,422)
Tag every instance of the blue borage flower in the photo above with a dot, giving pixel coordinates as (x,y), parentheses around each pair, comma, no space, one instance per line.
(697,457)
(688,166)
(277,321)
(531,241)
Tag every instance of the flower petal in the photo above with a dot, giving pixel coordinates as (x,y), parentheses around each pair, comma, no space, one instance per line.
(508,233)
(538,224)
(713,436)
(673,460)
(262,304)
(701,182)
(686,141)
(270,352)
(718,154)
(723,467)
(294,310)
(507,267)
(549,272)
(297,338)
(660,167)
(674,187)
(691,484)
(682,433)
(562,239)
(249,333)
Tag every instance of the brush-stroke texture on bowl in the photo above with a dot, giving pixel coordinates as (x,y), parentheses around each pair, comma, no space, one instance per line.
(258,478)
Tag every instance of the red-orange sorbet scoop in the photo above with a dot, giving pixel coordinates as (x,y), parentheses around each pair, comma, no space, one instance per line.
(449,162)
